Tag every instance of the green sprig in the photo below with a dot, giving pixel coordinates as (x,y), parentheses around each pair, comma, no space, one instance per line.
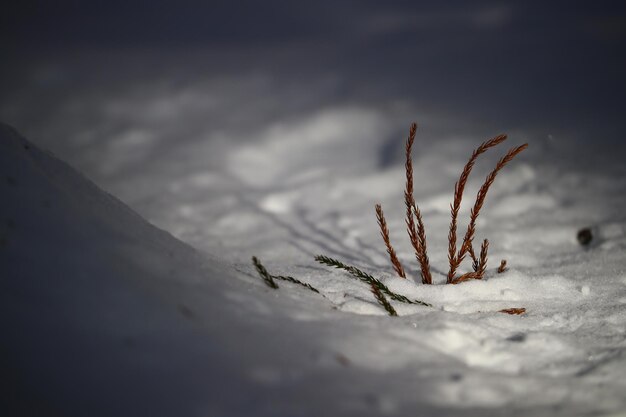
(263,273)
(368,279)
(296,281)
(270,279)
(382,300)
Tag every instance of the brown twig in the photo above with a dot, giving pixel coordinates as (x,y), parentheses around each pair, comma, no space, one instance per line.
(465,277)
(419,244)
(482,262)
(513,311)
(384,232)
(417,233)
(480,266)
(459,187)
(475,261)
(502,266)
(480,199)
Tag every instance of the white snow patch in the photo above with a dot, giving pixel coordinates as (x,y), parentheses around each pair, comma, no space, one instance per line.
(143,309)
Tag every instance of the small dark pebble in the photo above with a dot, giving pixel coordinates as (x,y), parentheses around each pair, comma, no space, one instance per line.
(584,236)
(518,337)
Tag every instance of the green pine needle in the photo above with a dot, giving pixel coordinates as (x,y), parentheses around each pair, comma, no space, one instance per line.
(382,300)
(270,279)
(353,270)
(296,281)
(368,279)
(264,274)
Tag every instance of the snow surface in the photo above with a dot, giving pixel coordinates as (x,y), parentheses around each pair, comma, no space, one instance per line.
(104,314)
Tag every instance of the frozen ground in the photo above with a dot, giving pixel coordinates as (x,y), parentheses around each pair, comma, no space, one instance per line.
(103,314)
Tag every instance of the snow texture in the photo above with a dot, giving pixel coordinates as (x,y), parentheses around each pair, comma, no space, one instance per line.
(104,314)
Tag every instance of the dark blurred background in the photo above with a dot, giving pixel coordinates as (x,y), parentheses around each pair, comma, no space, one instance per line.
(552,70)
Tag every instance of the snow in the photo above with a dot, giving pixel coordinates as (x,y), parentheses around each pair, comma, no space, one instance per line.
(105,314)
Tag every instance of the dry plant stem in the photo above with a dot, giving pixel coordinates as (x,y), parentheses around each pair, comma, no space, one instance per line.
(417,234)
(475,262)
(465,277)
(480,200)
(384,232)
(482,262)
(502,266)
(513,311)
(382,300)
(479,268)
(419,244)
(459,187)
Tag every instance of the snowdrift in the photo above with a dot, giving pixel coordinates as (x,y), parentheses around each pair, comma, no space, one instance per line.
(103,314)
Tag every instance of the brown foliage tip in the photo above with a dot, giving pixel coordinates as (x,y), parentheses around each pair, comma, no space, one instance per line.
(417,233)
(408,192)
(480,199)
(419,244)
(459,187)
(482,262)
(513,311)
(475,261)
(502,266)
(384,232)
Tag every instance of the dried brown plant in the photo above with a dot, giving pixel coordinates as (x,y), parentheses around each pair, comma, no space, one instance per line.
(417,234)
(474,258)
(502,266)
(415,224)
(480,266)
(480,200)
(418,241)
(384,232)
(482,262)
(513,311)
(459,187)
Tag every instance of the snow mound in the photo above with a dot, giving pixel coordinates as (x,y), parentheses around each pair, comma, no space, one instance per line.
(104,314)
(99,304)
